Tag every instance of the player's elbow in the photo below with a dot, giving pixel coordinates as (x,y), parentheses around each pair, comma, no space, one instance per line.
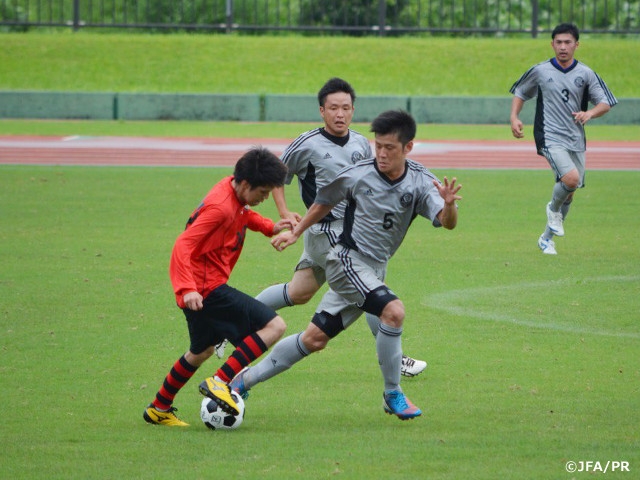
(600,110)
(448,220)
(450,225)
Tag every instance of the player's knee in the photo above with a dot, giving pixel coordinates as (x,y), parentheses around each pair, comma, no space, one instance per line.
(571,184)
(272,331)
(208,352)
(197,359)
(314,340)
(278,326)
(571,180)
(323,327)
(381,299)
(393,313)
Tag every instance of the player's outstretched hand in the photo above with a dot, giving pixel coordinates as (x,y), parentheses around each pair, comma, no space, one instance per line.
(283,225)
(283,240)
(448,191)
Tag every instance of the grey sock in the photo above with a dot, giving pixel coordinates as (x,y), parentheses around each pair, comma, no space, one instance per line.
(275,296)
(565,209)
(560,194)
(389,348)
(548,234)
(282,356)
(373,322)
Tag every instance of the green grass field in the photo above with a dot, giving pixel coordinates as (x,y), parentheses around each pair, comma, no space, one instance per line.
(533,360)
(291,65)
(294,65)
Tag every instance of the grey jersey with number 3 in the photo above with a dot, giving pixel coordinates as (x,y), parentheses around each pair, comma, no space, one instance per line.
(379,211)
(561,92)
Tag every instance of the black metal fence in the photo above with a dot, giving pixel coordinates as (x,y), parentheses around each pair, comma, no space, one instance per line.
(312,17)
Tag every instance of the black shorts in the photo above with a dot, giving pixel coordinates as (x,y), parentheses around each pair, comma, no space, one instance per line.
(226,313)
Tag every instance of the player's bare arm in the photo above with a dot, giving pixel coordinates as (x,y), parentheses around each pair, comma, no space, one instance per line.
(448,216)
(516,124)
(597,111)
(315,213)
(281,204)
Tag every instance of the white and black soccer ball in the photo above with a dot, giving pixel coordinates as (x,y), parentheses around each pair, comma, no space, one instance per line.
(217,419)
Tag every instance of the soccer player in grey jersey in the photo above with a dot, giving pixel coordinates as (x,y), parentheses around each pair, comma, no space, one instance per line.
(316,157)
(564,88)
(383,196)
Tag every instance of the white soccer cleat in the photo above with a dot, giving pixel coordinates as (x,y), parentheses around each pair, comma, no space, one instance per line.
(220,348)
(554,221)
(412,367)
(547,246)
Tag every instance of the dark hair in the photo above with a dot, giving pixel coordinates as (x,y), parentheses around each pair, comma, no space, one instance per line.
(395,121)
(566,28)
(260,168)
(335,85)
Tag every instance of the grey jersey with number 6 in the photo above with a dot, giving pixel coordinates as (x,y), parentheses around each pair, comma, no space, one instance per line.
(561,92)
(316,157)
(379,211)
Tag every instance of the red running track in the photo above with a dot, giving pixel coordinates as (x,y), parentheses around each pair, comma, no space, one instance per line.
(148,151)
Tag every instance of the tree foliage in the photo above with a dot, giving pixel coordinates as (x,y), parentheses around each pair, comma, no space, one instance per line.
(355,17)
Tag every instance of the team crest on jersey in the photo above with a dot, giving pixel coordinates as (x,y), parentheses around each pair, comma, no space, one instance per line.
(356,157)
(579,82)
(406,199)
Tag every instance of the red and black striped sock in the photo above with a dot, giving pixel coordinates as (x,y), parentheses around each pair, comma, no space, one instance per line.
(180,374)
(245,353)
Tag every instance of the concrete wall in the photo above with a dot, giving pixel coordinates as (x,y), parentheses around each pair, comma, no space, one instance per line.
(146,106)
(285,108)
(57,105)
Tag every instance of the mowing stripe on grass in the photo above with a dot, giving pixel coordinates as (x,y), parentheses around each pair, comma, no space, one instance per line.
(504,303)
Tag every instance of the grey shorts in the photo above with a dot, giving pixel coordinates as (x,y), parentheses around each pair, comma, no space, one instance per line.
(318,242)
(562,161)
(351,285)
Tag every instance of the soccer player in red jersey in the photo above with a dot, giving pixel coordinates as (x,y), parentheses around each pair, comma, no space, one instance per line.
(201,262)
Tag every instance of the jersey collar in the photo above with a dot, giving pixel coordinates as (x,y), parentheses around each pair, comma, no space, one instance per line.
(387,179)
(555,63)
(340,141)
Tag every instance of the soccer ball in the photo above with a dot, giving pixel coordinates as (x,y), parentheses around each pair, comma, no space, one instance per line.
(216,419)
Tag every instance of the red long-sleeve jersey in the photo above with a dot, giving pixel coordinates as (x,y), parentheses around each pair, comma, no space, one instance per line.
(206,252)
